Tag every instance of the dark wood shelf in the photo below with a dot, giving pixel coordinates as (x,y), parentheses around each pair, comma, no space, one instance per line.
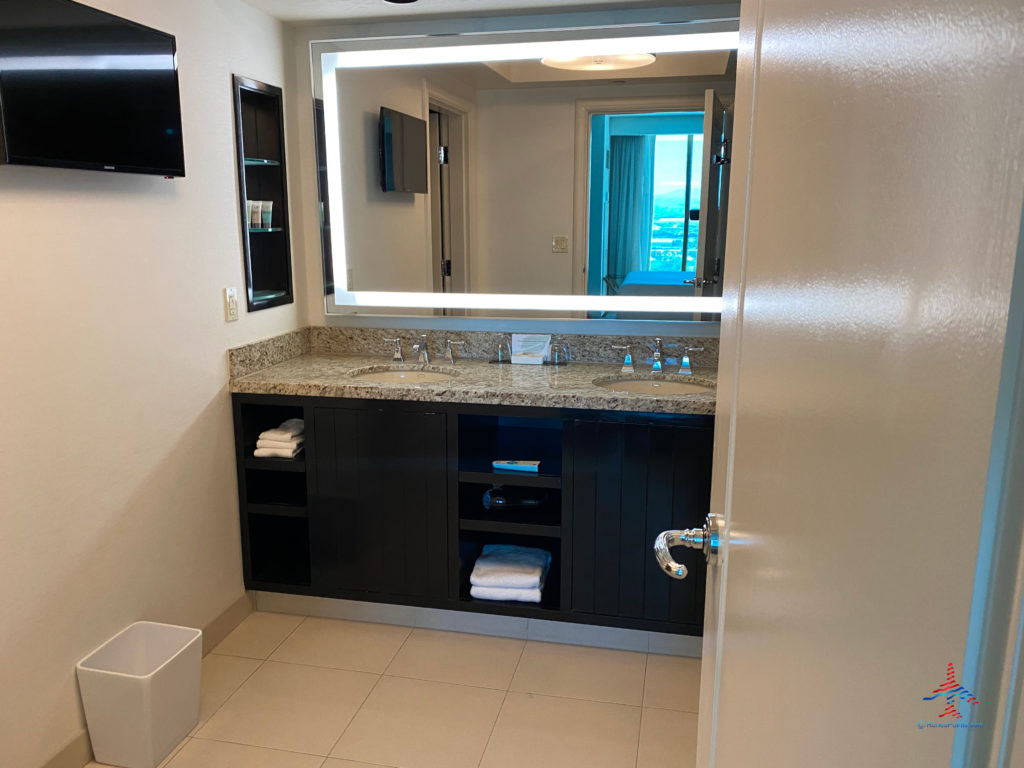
(276,510)
(525,479)
(276,465)
(507,527)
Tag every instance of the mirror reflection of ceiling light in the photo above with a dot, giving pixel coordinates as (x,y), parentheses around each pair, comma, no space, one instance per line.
(599,63)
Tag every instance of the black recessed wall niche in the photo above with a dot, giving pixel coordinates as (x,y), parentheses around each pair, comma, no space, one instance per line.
(259,129)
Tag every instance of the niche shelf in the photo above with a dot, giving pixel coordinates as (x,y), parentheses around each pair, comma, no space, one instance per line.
(259,128)
(481,438)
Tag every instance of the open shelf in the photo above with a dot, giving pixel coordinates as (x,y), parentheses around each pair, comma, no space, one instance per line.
(277,510)
(515,528)
(257,418)
(276,465)
(471,544)
(279,549)
(272,488)
(523,479)
(545,517)
(259,127)
(484,439)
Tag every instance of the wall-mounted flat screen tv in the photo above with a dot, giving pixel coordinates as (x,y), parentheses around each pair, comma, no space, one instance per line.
(80,88)
(403,152)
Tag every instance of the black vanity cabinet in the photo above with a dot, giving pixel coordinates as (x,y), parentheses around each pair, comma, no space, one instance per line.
(385,505)
(631,481)
(378,517)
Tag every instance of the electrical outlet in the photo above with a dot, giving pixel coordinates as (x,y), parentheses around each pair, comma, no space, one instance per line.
(351,281)
(230,305)
(559,244)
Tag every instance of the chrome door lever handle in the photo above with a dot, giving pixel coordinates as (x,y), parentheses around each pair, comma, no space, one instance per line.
(705,539)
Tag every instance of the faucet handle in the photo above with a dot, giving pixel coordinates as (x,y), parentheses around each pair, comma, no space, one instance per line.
(422,347)
(656,359)
(451,352)
(627,364)
(398,356)
(684,358)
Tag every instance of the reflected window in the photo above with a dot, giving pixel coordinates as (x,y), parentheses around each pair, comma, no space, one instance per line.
(645,174)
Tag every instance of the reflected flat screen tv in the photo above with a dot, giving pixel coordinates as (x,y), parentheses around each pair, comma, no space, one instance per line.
(403,152)
(80,88)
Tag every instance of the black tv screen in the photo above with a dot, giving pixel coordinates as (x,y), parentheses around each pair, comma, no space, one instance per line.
(403,152)
(80,88)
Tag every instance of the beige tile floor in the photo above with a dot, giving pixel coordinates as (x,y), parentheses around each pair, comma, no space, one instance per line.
(291,692)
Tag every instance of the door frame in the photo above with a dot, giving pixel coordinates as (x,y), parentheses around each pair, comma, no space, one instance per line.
(461,188)
(585,110)
(994,657)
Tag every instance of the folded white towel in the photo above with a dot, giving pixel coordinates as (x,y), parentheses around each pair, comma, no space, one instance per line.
(510,567)
(277,453)
(502,593)
(286,431)
(288,444)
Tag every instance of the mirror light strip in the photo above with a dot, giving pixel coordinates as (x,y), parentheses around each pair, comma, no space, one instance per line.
(330,62)
(465,54)
(530,301)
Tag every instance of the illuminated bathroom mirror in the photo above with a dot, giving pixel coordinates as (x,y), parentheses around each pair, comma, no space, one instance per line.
(572,174)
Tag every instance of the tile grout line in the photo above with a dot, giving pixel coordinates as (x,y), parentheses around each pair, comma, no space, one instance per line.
(494,727)
(262,662)
(504,698)
(643,698)
(198,728)
(355,714)
(286,637)
(369,693)
(258,746)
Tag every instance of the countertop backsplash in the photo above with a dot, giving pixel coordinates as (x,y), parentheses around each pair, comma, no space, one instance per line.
(478,345)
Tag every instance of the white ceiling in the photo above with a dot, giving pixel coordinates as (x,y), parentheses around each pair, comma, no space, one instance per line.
(322,10)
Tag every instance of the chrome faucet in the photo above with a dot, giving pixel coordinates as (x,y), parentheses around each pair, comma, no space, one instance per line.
(656,364)
(422,348)
(627,363)
(398,356)
(684,359)
(451,352)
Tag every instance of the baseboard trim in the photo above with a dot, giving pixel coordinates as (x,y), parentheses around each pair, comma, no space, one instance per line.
(223,625)
(76,754)
(482,624)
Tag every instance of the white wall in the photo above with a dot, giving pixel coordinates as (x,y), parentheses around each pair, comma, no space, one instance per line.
(386,243)
(525,167)
(117,464)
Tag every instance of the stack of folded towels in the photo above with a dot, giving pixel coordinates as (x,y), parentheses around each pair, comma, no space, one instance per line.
(283,442)
(506,572)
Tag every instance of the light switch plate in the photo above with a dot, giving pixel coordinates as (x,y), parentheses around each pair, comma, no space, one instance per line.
(559,244)
(230,305)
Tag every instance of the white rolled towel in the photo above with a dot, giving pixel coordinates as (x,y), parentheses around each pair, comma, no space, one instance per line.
(504,593)
(277,453)
(507,566)
(286,431)
(286,444)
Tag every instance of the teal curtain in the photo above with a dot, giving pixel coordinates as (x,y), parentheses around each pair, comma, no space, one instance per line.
(630,206)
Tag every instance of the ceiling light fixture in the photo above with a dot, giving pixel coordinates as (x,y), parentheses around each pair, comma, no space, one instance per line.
(600,63)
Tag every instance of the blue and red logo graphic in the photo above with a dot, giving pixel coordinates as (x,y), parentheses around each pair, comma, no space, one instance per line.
(953,692)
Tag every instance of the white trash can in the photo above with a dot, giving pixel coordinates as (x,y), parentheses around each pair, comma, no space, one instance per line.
(140,690)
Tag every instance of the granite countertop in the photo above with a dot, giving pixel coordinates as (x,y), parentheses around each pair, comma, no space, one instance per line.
(478,382)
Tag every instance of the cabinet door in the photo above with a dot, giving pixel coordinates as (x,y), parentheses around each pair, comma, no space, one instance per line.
(630,482)
(378,520)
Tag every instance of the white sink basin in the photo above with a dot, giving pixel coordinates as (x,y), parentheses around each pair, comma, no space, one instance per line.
(652,386)
(403,376)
